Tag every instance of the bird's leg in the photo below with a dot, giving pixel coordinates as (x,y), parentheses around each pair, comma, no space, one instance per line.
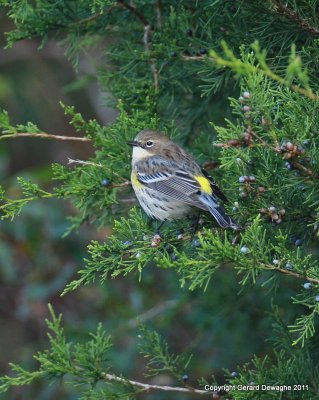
(236,239)
(195,224)
(150,222)
(158,230)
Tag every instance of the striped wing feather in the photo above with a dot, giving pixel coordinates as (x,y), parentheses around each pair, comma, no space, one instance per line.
(179,186)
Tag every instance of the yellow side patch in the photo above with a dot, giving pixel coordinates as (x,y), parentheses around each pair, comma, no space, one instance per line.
(135,182)
(204,184)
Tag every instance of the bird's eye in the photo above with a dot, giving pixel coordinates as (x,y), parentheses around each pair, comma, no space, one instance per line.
(149,143)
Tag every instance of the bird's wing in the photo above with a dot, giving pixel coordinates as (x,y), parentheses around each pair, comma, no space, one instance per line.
(177,184)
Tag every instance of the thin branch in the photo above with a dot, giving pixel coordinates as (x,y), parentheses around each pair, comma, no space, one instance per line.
(147,29)
(263,266)
(93,164)
(267,266)
(256,69)
(290,273)
(264,143)
(92,17)
(159,13)
(81,162)
(195,58)
(123,184)
(43,135)
(146,38)
(295,164)
(273,268)
(236,143)
(304,169)
(134,11)
(263,69)
(283,9)
(147,387)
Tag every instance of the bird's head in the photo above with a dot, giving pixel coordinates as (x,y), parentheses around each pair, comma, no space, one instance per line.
(148,143)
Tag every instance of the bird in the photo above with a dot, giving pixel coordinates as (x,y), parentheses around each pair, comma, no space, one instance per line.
(169,184)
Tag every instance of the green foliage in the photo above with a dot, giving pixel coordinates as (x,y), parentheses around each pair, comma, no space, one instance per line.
(156,351)
(30,192)
(83,364)
(6,128)
(294,70)
(290,366)
(174,66)
(87,366)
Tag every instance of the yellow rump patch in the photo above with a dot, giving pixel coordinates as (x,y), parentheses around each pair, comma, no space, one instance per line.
(135,182)
(204,184)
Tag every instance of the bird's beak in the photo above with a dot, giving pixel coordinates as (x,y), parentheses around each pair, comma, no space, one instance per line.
(132,143)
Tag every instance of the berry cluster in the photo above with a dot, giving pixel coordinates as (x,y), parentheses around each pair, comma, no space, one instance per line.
(247,138)
(245,96)
(247,187)
(248,134)
(287,266)
(246,107)
(245,178)
(290,150)
(156,240)
(273,213)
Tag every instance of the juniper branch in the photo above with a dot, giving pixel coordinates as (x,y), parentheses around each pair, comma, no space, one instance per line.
(95,16)
(134,11)
(81,162)
(91,163)
(148,387)
(239,66)
(159,13)
(283,9)
(147,29)
(44,135)
(295,164)
(304,169)
(146,36)
(290,273)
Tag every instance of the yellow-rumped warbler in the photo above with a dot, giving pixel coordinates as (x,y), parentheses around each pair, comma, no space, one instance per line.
(168,183)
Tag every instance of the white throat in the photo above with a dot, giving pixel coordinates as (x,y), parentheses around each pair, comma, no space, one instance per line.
(138,154)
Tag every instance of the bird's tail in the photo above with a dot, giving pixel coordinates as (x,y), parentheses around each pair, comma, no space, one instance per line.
(218,212)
